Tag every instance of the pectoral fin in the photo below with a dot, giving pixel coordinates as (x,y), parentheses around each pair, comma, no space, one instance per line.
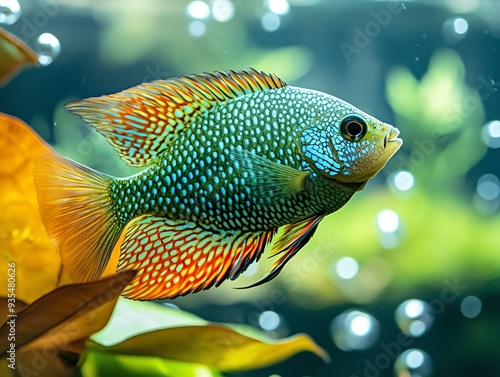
(268,180)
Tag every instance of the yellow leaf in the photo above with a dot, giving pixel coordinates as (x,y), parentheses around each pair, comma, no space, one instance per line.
(215,345)
(24,241)
(14,55)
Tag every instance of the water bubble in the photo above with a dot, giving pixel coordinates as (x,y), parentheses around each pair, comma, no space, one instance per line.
(388,220)
(198,9)
(10,11)
(270,21)
(414,317)
(197,28)
(454,30)
(460,25)
(354,330)
(471,306)
(346,268)
(491,134)
(47,47)
(222,10)
(488,187)
(402,180)
(269,320)
(280,7)
(413,363)
(389,228)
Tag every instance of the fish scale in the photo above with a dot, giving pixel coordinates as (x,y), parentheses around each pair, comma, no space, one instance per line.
(229,158)
(220,198)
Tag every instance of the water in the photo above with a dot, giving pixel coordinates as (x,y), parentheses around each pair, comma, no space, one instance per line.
(404,279)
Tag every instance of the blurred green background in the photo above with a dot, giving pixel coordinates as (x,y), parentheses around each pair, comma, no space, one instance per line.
(405,279)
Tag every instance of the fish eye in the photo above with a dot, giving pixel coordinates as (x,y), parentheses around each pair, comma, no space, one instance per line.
(353,127)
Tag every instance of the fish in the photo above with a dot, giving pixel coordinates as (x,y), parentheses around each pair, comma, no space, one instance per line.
(228,157)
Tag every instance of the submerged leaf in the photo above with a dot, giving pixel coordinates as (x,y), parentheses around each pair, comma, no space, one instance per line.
(67,315)
(148,330)
(14,55)
(34,263)
(215,345)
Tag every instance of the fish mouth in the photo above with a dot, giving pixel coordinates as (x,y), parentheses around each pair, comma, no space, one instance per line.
(391,137)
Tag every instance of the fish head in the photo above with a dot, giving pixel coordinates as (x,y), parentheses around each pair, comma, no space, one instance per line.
(348,145)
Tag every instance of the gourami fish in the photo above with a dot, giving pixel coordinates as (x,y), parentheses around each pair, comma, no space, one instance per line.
(230,157)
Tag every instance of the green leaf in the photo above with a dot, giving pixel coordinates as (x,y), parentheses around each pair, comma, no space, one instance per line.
(104,364)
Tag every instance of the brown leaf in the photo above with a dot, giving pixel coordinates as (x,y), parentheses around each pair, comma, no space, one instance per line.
(215,345)
(65,315)
(4,308)
(14,55)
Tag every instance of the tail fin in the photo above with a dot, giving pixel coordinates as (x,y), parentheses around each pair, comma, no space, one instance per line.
(75,208)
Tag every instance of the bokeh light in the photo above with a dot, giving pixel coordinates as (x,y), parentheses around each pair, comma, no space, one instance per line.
(270,21)
(471,306)
(460,25)
(388,226)
(269,320)
(491,134)
(402,180)
(197,28)
(413,363)
(488,187)
(280,7)
(414,317)
(454,30)
(198,9)
(222,10)
(346,268)
(354,330)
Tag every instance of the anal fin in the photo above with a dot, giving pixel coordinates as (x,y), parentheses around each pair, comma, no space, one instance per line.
(294,238)
(174,258)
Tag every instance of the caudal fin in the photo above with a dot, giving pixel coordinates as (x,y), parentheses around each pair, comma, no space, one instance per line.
(75,209)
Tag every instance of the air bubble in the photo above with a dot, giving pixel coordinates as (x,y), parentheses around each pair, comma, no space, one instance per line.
(269,320)
(10,11)
(413,363)
(414,317)
(222,10)
(491,134)
(471,306)
(47,47)
(354,330)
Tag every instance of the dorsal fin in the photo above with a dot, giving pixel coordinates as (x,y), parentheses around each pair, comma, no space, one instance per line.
(142,121)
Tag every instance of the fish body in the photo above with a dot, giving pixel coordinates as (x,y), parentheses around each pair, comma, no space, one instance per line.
(230,157)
